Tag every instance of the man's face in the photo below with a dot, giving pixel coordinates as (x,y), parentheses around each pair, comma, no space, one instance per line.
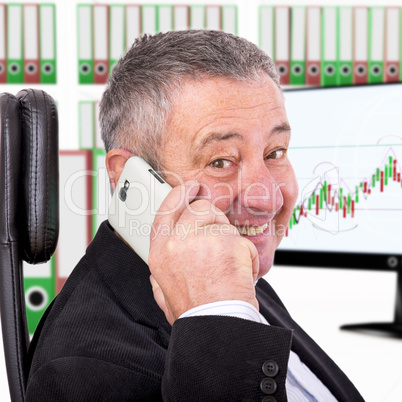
(232,138)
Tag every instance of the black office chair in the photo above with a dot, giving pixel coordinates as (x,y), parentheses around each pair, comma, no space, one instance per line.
(29,213)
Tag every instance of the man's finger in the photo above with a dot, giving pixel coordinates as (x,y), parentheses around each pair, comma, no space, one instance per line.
(173,206)
(254,258)
(256,261)
(204,213)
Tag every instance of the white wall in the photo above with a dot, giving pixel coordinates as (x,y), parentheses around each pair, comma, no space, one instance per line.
(320,300)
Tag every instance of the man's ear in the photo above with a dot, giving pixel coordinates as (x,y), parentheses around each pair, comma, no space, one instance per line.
(115,161)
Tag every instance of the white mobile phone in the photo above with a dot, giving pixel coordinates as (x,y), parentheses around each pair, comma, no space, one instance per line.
(135,201)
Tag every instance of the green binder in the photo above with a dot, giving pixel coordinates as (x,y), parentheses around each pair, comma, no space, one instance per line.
(85,44)
(376,45)
(47,39)
(229,19)
(39,289)
(15,66)
(297,45)
(149,19)
(345,46)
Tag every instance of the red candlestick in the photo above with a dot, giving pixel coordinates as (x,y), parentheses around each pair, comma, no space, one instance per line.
(394,171)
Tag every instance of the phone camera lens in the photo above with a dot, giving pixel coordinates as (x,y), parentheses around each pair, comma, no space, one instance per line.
(123,194)
(123,191)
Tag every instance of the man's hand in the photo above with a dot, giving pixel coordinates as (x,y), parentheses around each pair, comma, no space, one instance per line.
(197,256)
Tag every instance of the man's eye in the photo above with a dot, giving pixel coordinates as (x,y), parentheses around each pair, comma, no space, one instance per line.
(279,153)
(220,163)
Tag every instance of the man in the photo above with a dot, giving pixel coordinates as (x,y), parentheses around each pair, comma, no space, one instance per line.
(205,109)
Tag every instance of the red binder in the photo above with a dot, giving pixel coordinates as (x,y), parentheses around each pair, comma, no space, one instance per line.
(101,40)
(76,188)
(360,49)
(31,43)
(282,42)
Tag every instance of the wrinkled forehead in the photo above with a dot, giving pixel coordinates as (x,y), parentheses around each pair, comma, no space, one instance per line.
(199,103)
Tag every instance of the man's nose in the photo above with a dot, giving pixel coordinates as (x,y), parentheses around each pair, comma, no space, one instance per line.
(260,192)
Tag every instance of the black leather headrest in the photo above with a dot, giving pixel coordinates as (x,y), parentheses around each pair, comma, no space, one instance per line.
(11,201)
(40,144)
(32,180)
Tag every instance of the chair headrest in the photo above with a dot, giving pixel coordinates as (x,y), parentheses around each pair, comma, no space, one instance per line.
(11,168)
(33,175)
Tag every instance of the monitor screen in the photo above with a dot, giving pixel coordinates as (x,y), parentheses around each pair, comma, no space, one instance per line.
(346,150)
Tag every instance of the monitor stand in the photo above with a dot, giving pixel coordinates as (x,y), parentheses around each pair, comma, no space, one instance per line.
(388,329)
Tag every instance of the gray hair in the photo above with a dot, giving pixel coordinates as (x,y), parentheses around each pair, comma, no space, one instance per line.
(139,97)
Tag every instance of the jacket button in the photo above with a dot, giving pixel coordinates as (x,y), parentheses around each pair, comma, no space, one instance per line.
(268,386)
(270,368)
(268,399)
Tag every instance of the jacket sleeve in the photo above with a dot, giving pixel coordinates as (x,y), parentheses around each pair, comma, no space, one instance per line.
(225,358)
(89,379)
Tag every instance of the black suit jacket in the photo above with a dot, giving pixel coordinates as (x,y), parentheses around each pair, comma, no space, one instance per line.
(105,338)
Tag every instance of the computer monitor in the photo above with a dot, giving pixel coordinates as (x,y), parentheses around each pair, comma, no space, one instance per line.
(346,150)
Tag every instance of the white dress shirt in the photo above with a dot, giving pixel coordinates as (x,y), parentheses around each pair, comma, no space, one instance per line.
(301,383)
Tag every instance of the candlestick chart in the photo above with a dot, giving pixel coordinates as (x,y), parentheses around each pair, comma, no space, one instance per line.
(350,197)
